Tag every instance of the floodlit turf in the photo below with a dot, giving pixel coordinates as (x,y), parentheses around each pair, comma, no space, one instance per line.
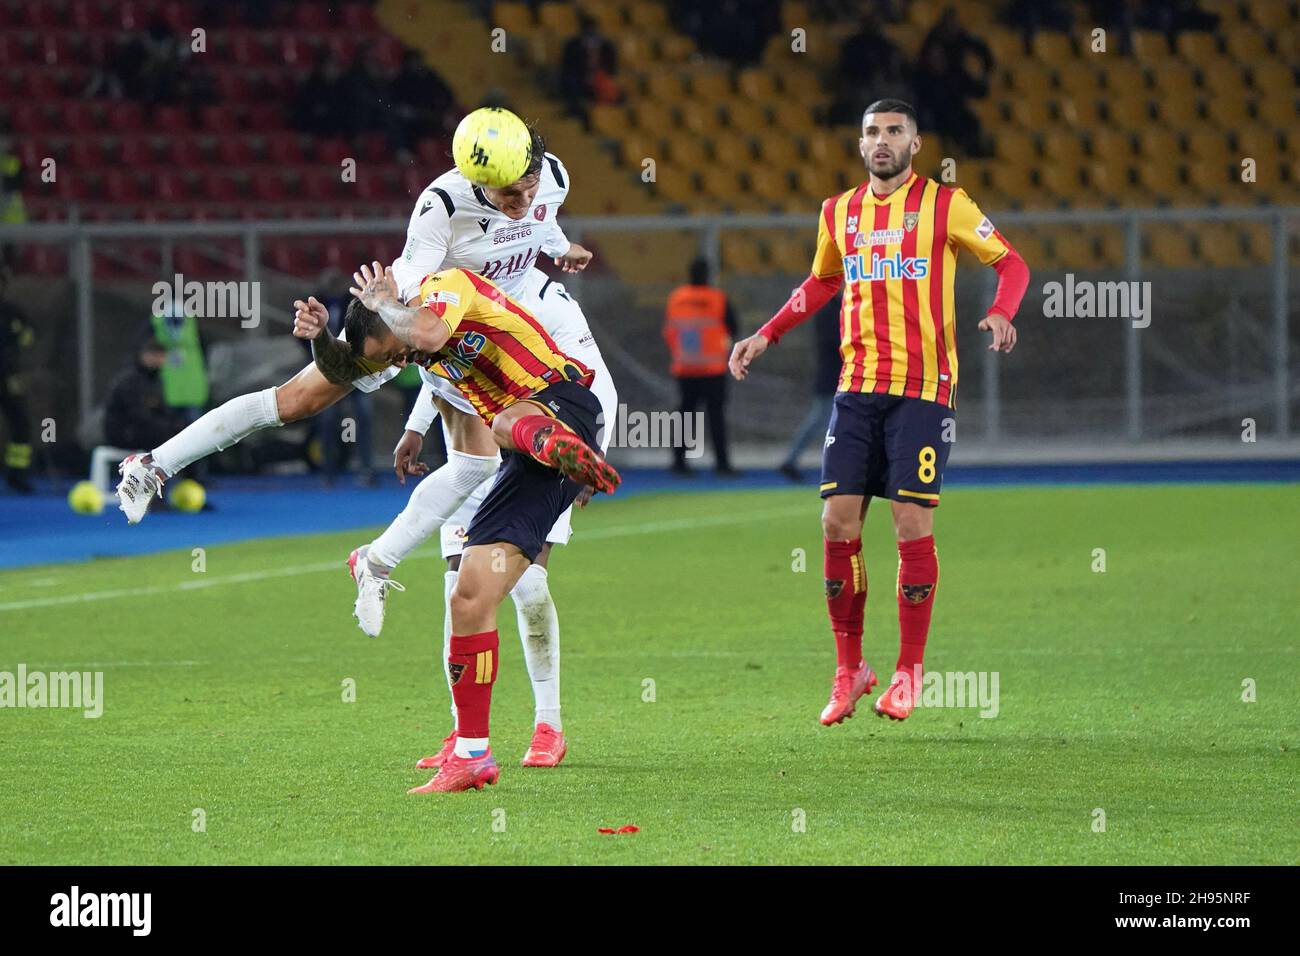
(1119,693)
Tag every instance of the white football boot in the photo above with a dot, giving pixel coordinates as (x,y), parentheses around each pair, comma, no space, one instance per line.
(371,592)
(137,488)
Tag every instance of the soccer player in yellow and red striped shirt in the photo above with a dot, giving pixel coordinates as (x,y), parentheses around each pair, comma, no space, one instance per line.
(891,244)
(538,402)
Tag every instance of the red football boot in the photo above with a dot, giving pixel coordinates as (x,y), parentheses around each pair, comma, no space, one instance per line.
(438,759)
(899,700)
(575,458)
(848,687)
(547,748)
(462,773)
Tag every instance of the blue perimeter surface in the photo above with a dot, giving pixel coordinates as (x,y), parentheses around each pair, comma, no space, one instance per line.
(42,529)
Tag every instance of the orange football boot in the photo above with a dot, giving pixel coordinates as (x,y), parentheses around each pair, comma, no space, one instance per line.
(462,773)
(899,700)
(438,759)
(547,748)
(849,685)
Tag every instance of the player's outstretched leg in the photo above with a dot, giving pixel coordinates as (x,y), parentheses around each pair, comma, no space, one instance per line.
(539,631)
(434,500)
(846,601)
(481,585)
(918,577)
(555,445)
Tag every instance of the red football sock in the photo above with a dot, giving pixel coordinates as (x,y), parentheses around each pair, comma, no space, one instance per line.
(918,575)
(529,437)
(473,667)
(846,597)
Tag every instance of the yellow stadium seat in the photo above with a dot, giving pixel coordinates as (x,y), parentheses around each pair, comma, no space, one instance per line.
(1169,245)
(1207,175)
(779,148)
(1179,108)
(802,86)
(741,253)
(823,147)
(512,16)
(1278,109)
(1158,179)
(1080,113)
(1224,78)
(1196,48)
(654,116)
(1029,77)
(815,181)
(1032,248)
(664,85)
(1157,142)
(711,85)
(720,181)
(559,17)
(757,83)
(1268,75)
(647,16)
(745,115)
(1061,179)
(1016,146)
(1007,46)
(1053,49)
(1220,250)
(1257,140)
(635,50)
(1244,43)
(609,120)
(1171,75)
(991,111)
(1110,246)
(791,116)
(676,184)
(1124,77)
(732,147)
(769,182)
(1256,241)
(1073,248)
(675,48)
(1079,79)
(1208,144)
(1031,112)
(1150,45)
(1061,144)
(697,117)
(973,174)
(1225,112)
(637,145)
(688,150)
(1271,17)
(1109,146)
(1129,112)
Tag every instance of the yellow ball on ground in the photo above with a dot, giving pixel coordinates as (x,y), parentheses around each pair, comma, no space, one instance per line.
(85,499)
(188,496)
(492,147)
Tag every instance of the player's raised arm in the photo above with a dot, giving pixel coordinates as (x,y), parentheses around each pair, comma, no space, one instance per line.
(419,328)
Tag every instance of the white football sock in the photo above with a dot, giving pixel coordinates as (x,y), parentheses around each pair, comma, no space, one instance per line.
(434,500)
(539,631)
(469,746)
(218,430)
(448,587)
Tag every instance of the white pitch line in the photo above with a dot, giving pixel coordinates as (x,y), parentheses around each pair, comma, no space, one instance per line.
(616,531)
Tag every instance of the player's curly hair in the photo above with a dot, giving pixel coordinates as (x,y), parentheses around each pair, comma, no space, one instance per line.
(539,151)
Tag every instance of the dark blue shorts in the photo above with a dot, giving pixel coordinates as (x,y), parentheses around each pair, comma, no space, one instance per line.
(886,446)
(527,497)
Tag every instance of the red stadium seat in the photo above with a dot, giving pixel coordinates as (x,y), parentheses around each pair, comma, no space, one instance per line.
(248,49)
(79,117)
(135,151)
(171,119)
(218,119)
(359,18)
(170,186)
(86,15)
(234,151)
(186,152)
(221,186)
(333,151)
(284,150)
(39,85)
(265,117)
(322,185)
(311,18)
(86,153)
(121,186)
(232,86)
(125,117)
(269,185)
(179,16)
(55,48)
(29,119)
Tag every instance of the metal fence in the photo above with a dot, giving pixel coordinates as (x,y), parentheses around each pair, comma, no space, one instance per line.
(1219,347)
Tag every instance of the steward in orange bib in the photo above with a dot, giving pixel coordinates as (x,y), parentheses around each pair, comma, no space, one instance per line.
(699,325)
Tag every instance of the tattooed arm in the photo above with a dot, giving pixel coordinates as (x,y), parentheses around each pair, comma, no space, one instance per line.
(417,327)
(332,356)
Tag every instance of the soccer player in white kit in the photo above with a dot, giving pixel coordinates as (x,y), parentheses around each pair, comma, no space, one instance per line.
(499,233)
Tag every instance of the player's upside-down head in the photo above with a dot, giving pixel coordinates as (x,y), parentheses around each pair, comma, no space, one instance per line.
(373,345)
(516,199)
(889,137)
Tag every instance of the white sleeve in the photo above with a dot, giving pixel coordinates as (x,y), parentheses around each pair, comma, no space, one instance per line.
(556,242)
(427,236)
(424,411)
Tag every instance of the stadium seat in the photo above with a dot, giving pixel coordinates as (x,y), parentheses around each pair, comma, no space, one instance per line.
(697,117)
(1244,43)
(1196,48)
(1170,246)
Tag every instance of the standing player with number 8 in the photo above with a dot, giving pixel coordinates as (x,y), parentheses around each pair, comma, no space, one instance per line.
(891,243)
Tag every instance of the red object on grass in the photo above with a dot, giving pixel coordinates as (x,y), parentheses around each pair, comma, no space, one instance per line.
(630,828)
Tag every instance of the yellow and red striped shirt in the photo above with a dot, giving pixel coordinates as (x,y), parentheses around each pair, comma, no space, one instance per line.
(898,257)
(498,352)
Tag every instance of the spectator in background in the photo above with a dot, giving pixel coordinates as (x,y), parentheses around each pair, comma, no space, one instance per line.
(16,336)
(321,98)
(868,61)
(587,68)
(138,415)
(1030,16)
(699,327)
(827,365)
(944,82)
(736,30)
(422,102)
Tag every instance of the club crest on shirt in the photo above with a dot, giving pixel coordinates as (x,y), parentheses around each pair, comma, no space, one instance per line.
(910,219)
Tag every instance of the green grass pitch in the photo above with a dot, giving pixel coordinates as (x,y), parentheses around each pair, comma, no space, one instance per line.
(1120,692)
